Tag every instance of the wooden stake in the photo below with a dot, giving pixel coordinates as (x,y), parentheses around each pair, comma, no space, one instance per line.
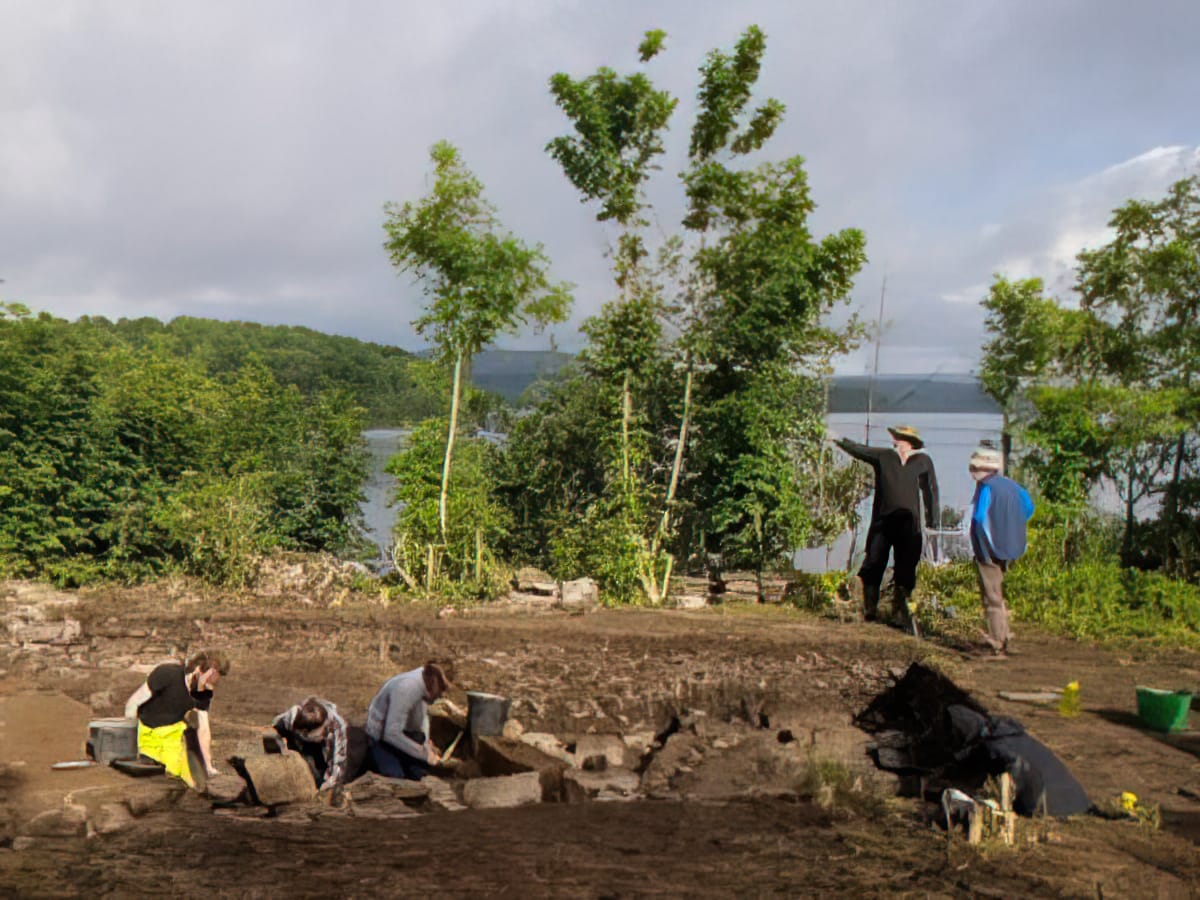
(1008,817)
(975,825)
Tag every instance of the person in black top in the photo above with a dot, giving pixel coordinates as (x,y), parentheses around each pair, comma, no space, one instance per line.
(903,474)
(161,706)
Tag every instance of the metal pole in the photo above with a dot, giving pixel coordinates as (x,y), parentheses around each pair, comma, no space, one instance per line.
(875,366)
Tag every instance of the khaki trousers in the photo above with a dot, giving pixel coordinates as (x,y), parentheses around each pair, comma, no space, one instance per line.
(995,611)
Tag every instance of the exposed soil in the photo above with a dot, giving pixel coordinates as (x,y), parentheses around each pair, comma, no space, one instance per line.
(752,695)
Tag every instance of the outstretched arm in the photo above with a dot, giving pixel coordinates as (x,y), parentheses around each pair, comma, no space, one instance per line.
(859,451)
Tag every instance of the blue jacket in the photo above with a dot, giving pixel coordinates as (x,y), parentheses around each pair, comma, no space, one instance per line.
(1001,509)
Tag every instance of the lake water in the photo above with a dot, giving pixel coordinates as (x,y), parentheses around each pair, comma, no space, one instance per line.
(378,513)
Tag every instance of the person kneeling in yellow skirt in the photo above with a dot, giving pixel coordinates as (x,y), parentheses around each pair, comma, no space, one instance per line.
(162,704)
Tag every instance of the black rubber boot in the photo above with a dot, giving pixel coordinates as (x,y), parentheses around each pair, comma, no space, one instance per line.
(900,614)
(870,594)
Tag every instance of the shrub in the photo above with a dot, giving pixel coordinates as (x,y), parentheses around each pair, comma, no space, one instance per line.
(476,521)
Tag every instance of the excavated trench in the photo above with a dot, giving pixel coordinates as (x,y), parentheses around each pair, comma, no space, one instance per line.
(935,736)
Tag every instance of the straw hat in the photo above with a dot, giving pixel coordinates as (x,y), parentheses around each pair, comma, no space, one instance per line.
(907,433)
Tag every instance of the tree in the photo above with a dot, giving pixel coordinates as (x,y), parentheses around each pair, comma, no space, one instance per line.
(480,282)
(619,123)
(1111,385)
(1146,284)
(125,461)
(764,284)
(727,313)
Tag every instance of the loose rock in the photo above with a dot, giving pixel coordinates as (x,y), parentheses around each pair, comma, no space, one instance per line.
(608,746)
(111,818)
(283,778)
(583,593)
(504,791)
(609,784)
(67,821)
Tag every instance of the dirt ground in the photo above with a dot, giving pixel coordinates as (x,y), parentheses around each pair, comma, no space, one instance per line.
(745,702)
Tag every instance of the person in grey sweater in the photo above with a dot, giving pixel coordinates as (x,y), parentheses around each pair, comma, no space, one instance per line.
(398,723)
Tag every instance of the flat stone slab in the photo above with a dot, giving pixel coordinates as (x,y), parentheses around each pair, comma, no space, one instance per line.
(68,820)
(66,631)
(441,794)
(373,787)
(504,791)
(610,784)
(583,593)
(224,788)
(609,747)
(548,744)
(112,817)
(1031,696)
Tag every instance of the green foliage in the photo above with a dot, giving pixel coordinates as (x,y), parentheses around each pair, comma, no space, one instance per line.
(218,527)
(555,465)
(1100,600)
(1030,334)
(817,591)
(1071,581)
(607,543)
(479,281)
(700,362)
(381,379)
(1108,393)
(651,45)
(619,125)
(726,85)
(478,525)
(105,447)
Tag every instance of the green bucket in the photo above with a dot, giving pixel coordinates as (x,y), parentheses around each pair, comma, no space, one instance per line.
(1163,710)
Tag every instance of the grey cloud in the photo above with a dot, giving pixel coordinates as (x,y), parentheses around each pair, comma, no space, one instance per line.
(233,159)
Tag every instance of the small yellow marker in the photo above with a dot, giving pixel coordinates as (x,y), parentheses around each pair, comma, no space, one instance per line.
(1068,706)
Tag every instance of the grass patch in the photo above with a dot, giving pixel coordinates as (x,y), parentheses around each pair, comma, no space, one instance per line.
(1089,600)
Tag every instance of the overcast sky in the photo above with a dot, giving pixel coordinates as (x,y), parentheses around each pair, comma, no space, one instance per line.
(231,158)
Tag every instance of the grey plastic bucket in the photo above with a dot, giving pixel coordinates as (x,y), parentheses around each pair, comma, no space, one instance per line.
(110,739)
(486,713)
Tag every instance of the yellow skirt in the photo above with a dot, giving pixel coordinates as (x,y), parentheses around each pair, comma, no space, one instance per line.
(166,744)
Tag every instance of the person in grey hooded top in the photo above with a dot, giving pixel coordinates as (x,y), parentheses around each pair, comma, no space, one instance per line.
(398,723)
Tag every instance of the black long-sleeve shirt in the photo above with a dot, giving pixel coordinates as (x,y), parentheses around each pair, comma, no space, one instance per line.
(898,485)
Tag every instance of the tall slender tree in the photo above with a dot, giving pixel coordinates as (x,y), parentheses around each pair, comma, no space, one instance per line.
(479,280)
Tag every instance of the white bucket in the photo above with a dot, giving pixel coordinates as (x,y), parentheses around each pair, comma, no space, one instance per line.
(110,739)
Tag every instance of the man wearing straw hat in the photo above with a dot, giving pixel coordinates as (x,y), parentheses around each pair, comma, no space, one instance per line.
(999,511)
(903,475)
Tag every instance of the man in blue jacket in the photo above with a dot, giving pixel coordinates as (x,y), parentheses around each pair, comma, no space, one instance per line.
(999,512)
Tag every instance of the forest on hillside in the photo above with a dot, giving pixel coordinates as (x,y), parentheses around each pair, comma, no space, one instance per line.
(390,384)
